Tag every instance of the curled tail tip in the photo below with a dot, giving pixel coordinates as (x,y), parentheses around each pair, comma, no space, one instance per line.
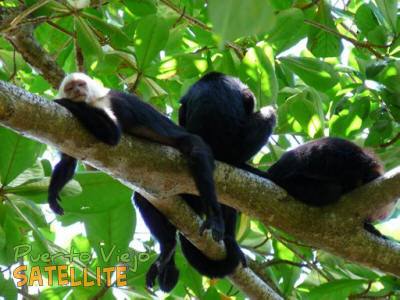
(168,278)
(214,268)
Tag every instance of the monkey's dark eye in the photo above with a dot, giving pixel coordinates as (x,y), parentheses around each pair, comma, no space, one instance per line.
(81,84)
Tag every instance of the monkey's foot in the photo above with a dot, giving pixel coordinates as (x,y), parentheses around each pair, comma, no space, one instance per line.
(167,275)
(216,225)
(151,275)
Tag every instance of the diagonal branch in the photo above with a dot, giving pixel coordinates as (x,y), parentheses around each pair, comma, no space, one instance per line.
(25,43)
(337,228)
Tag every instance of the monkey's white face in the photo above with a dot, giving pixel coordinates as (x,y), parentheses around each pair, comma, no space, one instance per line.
(76,90)
(81,88)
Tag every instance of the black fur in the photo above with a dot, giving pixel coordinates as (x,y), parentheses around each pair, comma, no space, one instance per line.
(318,173)
(138,118)
(219,108)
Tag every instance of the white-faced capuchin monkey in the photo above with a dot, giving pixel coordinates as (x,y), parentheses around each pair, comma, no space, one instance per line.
(106,113)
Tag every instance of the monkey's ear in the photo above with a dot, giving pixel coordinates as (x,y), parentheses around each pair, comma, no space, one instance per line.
(248,100)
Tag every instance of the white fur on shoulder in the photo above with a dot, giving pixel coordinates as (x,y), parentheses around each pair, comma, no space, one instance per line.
(95,89)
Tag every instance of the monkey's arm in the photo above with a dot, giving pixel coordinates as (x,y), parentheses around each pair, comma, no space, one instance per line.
(94,120)
(62,173)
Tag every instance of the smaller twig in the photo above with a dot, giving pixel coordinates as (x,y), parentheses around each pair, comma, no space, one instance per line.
(311,265)
(189,18)
(101,293)
(14,66)
(273,262)
(391,142)
(238,50)
(180,17)
(132,88)
(363,293)
(63,30)
(262,243)
(22,15)
(79,57)
(355,42)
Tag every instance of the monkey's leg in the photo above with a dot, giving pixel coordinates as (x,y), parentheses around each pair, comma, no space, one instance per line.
(164,267)
(201,164)
(62,173)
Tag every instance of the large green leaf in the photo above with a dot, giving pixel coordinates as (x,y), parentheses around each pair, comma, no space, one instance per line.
(257,71)
(314,72)
(288,29)
(320,42)
(17,153)
(388,9)
(150,38)
(2,238)
(338,289)
(365,18)
(141,7)
(87,39)
(7,288)
(110,232)
(100,193)
(232,19)
(117,36)
(390,77)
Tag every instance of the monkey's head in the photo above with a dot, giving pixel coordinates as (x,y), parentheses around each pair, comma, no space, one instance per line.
(79,87)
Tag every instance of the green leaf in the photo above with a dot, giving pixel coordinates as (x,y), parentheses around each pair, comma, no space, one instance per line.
(365,18)
(150,38)
(320,42)
(257,71)
(141,7)
(288,29)
(392,100)
(338,289)
(313,72)
(7,288)
(117,36)
(282,4)
(388,9)
(17,153)
(390,77)
(232,19)
(299,114)
(380,130)
(87,39)
(13,229)
(110,232)
(2,238)
(100,193)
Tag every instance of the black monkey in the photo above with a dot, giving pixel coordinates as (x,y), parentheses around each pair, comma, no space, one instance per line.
(107,113)
(319,172)
(219,108)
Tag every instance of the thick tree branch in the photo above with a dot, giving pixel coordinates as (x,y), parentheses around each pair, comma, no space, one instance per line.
(337,229)
(15,102)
